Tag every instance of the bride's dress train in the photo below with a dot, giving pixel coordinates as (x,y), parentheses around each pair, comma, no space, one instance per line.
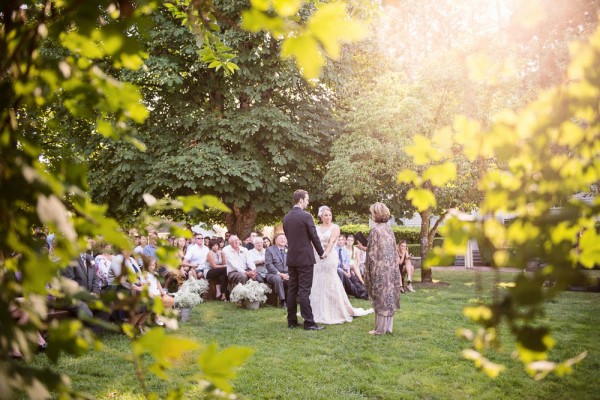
(328,299)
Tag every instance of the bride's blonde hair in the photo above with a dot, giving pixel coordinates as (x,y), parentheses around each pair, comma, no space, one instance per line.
(322,210)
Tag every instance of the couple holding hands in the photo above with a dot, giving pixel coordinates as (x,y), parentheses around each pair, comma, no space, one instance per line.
(313,278)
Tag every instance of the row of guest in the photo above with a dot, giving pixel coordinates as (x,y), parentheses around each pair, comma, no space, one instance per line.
(236,264)
(211,262)
(259,264)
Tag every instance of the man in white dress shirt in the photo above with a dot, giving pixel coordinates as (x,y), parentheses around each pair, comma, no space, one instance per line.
(239,266)
(257,257)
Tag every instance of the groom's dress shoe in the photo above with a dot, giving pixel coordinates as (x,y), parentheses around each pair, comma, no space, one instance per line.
(314,328)
(292,326)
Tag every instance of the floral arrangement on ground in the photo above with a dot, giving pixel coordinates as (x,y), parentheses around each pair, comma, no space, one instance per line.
(251,291)
(190,293)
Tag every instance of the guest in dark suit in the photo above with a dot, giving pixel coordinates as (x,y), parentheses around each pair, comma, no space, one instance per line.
(300,230)
(83,271)
(277,270)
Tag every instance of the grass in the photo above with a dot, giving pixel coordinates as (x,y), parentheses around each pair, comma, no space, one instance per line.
(421,360)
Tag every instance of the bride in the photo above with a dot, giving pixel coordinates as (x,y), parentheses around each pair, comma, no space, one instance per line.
(328,300)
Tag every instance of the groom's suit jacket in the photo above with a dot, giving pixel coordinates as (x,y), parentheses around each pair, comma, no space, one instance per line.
(275,262)
(301,234)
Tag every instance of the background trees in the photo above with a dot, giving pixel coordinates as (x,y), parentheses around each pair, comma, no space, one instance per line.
(424,47)
(249,138)
(381,123)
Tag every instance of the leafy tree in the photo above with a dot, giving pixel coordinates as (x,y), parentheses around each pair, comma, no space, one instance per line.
(251,138)
(426,52)
(382,122)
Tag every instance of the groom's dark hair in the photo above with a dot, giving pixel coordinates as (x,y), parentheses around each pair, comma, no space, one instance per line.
(299,195)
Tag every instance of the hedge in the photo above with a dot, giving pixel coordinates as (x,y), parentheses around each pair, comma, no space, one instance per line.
(411,235)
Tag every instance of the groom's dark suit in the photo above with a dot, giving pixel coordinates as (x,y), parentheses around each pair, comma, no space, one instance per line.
(301,234)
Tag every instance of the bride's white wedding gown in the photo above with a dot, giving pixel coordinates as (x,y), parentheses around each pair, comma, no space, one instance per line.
(328,299)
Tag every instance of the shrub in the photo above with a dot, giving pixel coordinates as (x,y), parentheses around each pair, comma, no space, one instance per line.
(414,250)
(411,235)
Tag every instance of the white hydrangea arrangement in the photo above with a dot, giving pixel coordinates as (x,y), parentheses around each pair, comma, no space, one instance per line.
(190,293)
(251,291)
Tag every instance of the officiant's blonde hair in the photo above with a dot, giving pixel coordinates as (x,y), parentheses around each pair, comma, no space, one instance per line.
(380,212)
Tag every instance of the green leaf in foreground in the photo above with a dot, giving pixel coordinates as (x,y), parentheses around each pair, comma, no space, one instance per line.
(218,367)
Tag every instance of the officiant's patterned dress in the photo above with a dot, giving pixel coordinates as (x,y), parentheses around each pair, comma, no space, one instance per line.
(383,276)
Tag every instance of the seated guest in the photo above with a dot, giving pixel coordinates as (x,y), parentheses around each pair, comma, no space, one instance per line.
(155,290)
(195,256)
(239,266)
(150,251)
(226,242)
(171,240)
(406,267)
(135,236)
(139,249)
(124,276)
(352,285)
(181,245)
(83,271)
(184,271)
(343,258)
(216,268)
(22,318)
(91,250)
(257,256)
(249,241)
(103,261)
(152,246)
(277,269)
(355,256)
(266,242)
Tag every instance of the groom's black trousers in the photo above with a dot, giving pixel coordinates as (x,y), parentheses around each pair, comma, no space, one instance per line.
(299,289)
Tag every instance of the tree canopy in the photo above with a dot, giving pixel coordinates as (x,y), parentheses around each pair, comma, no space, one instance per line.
(250,138)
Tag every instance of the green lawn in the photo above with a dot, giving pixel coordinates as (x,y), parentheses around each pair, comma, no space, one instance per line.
(421,360)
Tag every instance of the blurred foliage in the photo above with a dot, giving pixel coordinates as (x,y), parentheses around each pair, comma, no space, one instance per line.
(309,42)
(538,159)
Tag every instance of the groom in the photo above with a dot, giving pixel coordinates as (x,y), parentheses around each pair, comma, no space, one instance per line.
(301,233)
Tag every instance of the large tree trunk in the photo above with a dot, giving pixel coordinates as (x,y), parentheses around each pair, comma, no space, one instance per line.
(241,220)
(425,246)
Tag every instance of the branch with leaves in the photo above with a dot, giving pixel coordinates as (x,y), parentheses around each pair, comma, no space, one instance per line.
(540,157)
